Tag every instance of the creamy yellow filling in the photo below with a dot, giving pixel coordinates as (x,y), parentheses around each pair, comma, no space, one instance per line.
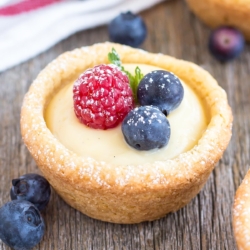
(187,122)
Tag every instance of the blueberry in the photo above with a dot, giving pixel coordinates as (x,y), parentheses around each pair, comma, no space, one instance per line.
(226,43)
(127,28)
(162,89)
(146,128)
(33,188)
(21,225)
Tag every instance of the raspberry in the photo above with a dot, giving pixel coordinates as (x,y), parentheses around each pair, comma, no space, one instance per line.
(102,97)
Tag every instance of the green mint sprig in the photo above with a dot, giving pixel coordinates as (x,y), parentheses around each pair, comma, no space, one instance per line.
(134,80)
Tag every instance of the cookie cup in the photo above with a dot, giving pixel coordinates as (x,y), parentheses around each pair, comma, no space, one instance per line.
(241,214)
(215,13)
(124,193)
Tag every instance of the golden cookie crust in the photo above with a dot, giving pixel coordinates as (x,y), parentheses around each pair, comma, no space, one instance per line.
(223,12)
(241,214)
(123,194)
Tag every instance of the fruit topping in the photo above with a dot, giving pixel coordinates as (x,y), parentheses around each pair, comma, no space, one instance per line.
(102,97)
(127,28)
(21,225)
(33,188)
(226,43)
(146,128)
(162,89)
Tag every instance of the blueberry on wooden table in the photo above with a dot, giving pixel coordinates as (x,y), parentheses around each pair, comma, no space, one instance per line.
(226,43)
(33,188)
(21,225)
(127,28)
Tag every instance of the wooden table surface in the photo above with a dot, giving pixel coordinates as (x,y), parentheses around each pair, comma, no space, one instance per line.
(206,222)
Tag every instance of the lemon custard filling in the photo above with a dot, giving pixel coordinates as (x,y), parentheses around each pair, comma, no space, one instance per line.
(188,122)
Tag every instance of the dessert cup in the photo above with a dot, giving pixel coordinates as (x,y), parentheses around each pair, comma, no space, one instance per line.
(124,193)
(241,215)
(215,13)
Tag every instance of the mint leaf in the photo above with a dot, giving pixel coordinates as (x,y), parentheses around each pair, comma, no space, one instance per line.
(114,58)
(138,78)
(134,80)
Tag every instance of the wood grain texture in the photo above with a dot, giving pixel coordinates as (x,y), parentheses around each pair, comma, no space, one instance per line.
(206,222)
